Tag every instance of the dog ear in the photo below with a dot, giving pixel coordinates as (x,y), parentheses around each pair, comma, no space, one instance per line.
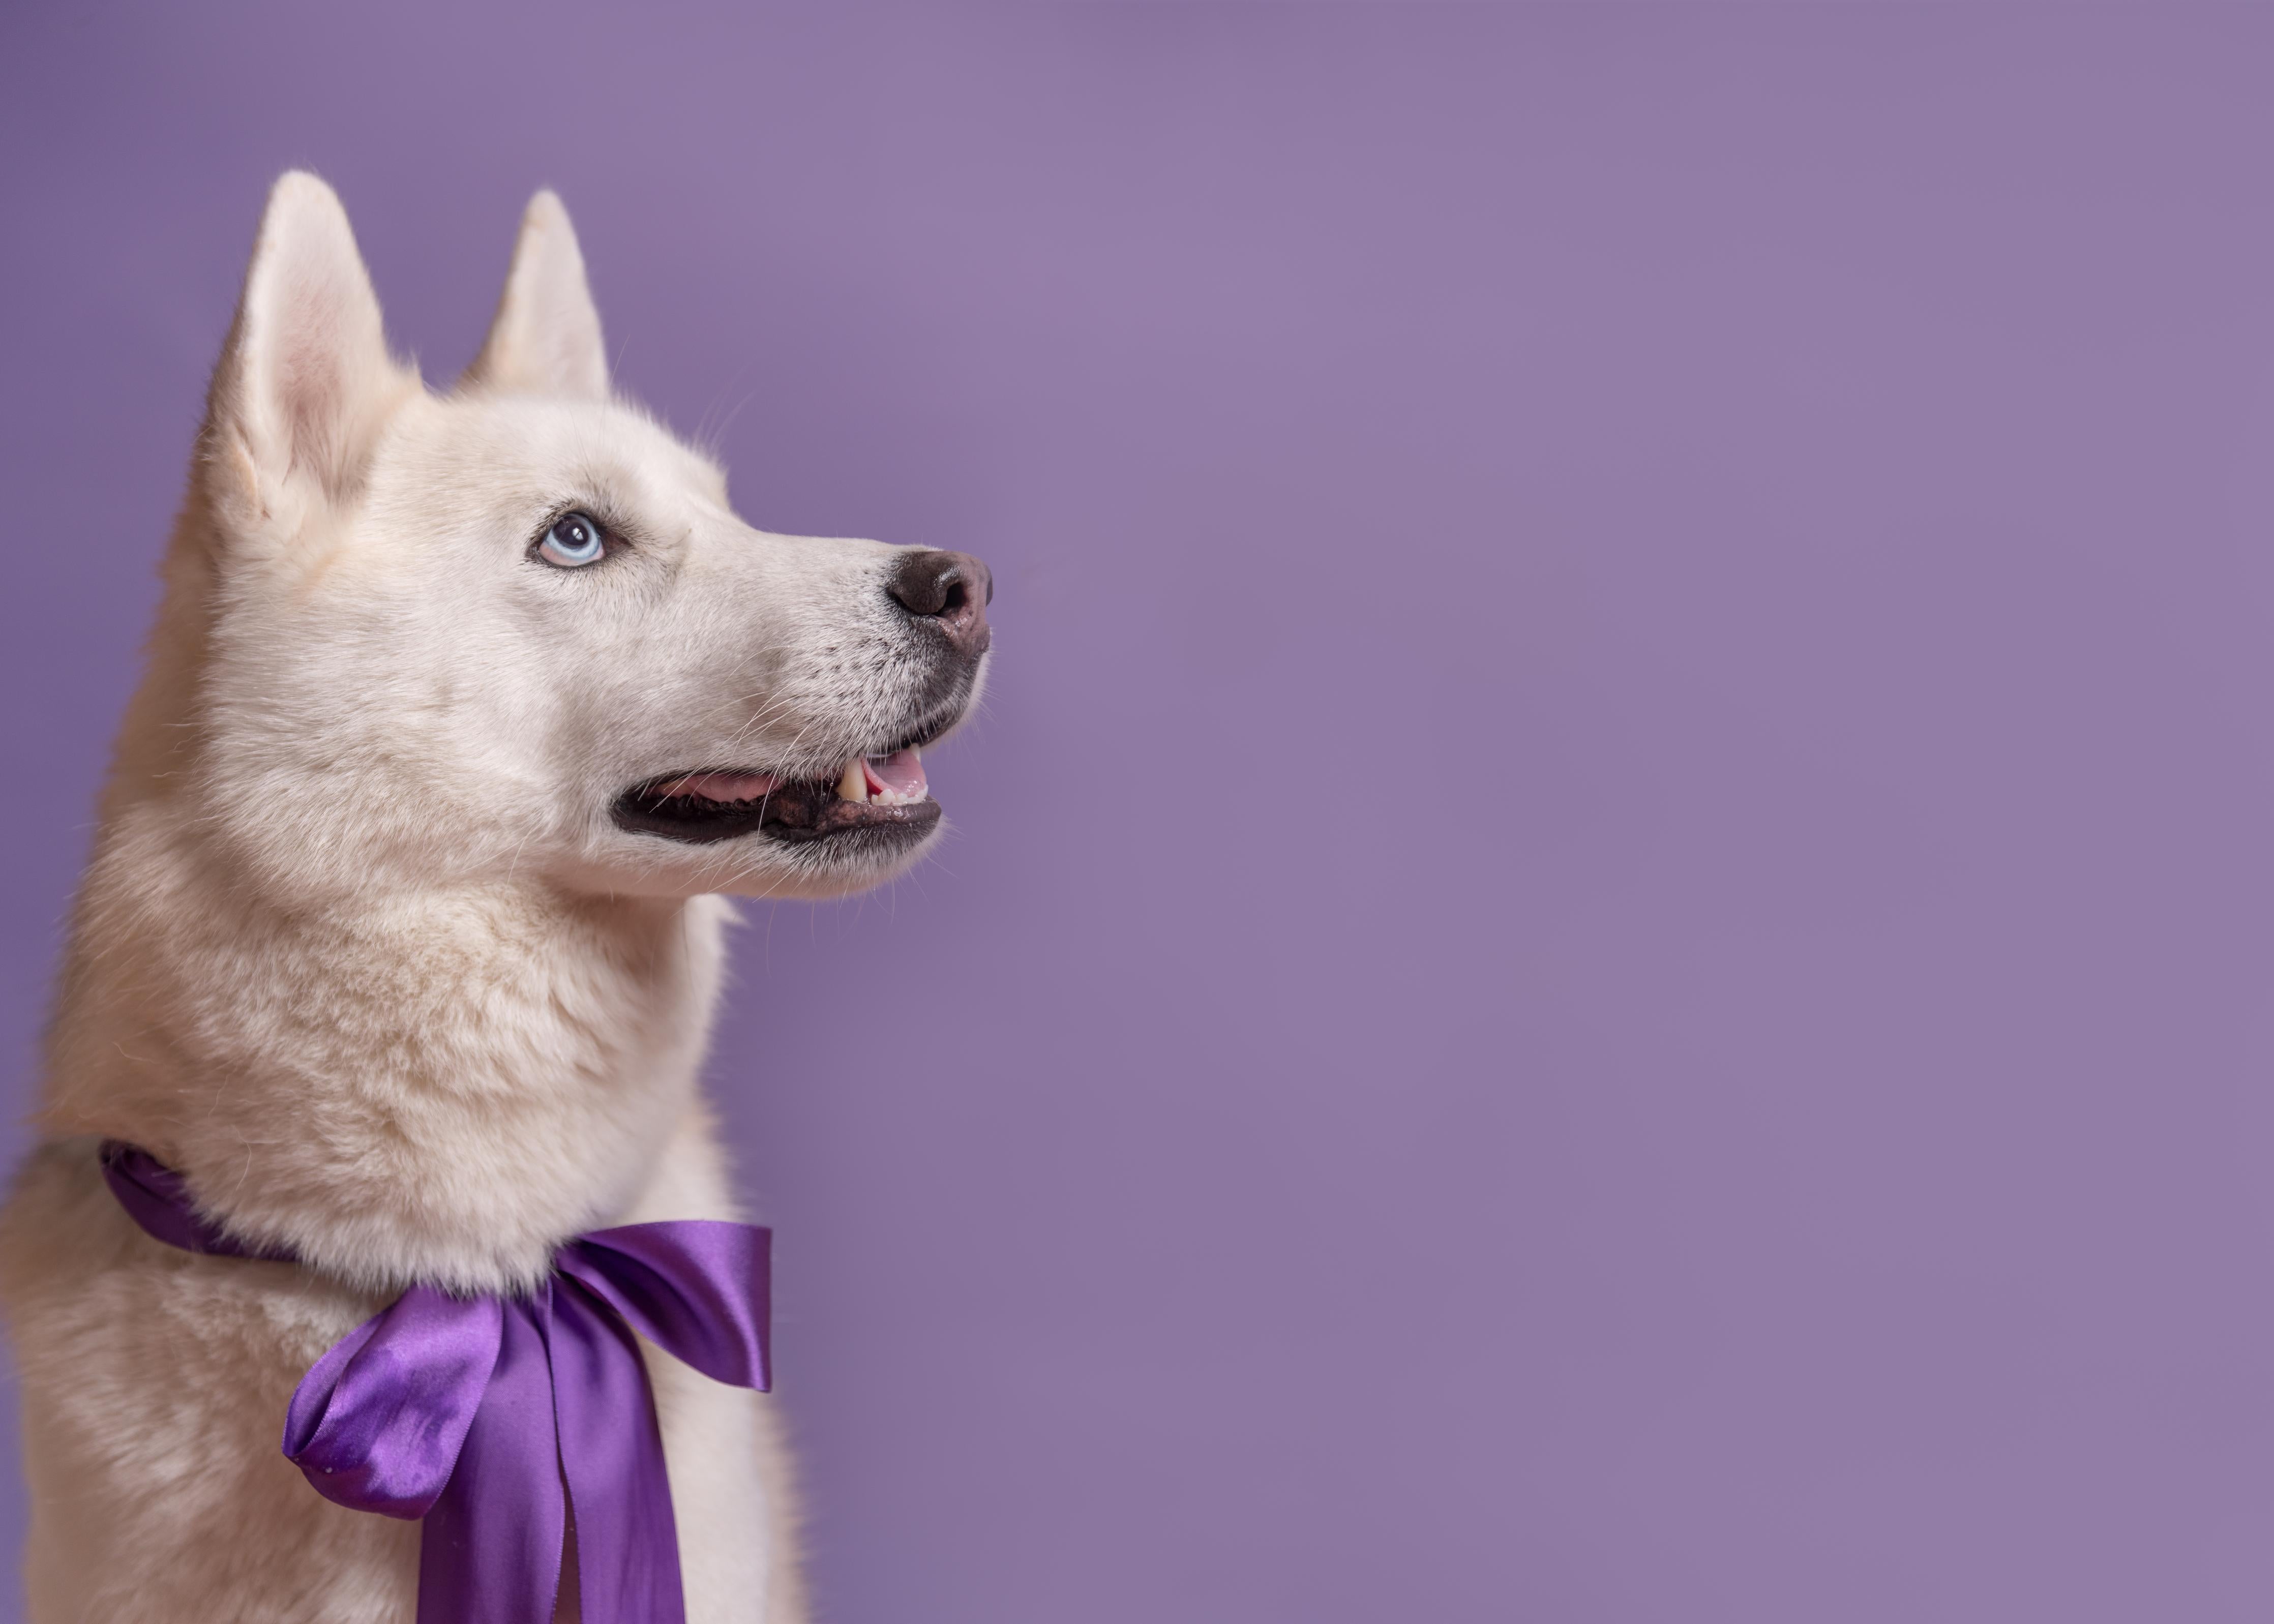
(305,380)
(545,337)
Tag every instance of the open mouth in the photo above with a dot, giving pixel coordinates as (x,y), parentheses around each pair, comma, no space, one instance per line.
(874,798)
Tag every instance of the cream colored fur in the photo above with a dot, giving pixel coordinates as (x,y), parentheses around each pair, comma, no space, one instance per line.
(359,950)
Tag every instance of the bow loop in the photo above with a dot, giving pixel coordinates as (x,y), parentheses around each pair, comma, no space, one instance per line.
(378,1422)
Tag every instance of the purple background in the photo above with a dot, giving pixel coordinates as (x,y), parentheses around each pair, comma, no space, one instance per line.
(1607,953)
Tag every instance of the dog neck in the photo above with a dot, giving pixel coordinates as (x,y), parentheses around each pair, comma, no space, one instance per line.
(404,1082)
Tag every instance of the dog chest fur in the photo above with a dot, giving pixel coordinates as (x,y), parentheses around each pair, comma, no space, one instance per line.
(441,1090)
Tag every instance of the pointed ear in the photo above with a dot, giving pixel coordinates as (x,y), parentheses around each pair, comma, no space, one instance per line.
(545,337)
(304,381)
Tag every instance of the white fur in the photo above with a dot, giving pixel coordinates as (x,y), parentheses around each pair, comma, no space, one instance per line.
(360,950)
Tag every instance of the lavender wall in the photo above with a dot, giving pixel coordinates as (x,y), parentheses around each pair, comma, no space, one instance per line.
(1607,953)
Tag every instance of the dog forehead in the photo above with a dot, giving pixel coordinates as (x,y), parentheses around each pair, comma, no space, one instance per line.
(510,454)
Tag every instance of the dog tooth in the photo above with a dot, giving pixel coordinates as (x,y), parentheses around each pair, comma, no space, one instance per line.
(853,786)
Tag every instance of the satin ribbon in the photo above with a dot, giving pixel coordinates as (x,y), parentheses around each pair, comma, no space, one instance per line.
(496,1418)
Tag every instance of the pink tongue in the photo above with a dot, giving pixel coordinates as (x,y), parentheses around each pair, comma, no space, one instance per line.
(725,786)
(901,772)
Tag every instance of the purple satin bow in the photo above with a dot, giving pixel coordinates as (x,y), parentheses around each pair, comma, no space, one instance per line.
(493,1418)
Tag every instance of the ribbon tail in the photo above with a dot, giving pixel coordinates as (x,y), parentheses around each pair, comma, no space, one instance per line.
(490,1552)
(695,1287)
(611,1453)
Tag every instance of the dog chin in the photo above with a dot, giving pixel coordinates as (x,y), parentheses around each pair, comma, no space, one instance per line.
(754,866)
(823,877)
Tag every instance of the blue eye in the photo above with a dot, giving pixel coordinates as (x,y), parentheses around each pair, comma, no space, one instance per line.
(575,540)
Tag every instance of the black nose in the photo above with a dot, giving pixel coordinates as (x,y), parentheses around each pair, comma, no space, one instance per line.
(951,589)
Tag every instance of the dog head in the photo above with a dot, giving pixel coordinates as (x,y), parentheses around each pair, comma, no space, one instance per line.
(517,628)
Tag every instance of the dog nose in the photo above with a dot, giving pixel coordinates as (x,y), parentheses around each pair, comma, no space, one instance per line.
(953,588)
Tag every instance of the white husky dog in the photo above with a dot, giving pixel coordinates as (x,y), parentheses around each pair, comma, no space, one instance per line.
(401,934)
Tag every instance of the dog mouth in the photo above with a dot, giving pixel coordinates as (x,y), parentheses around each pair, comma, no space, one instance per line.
(875,800)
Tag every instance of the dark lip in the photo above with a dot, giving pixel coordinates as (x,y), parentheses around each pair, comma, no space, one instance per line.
(803,812)
(796,813)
